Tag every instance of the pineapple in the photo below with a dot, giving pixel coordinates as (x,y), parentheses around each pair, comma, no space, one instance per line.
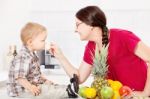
(100,69)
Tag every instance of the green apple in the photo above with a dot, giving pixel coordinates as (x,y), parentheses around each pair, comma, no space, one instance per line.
(106,92)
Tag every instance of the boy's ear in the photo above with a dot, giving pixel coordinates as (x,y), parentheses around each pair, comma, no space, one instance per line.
(29,42)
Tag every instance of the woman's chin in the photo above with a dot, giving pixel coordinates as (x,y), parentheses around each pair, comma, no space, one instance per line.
(82,39)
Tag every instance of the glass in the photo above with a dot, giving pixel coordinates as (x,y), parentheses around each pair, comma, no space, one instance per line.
(78,24)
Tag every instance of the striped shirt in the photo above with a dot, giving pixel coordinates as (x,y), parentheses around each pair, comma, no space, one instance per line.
(24,65)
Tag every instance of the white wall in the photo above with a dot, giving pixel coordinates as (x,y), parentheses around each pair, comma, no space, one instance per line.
(58,17)
(13,15)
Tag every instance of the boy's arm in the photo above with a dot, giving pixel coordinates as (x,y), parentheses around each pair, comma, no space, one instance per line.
(27,85)
(46,80)
(43,77)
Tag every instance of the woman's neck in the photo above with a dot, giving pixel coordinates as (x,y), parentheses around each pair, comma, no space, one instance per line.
(98,45)
(98,38)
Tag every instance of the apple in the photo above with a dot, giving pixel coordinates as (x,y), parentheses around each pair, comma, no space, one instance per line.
(106,92)
(125,90)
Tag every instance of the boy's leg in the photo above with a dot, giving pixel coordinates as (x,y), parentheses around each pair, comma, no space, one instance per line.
(49,91)
(26,95)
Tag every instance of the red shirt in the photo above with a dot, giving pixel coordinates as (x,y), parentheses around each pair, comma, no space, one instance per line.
(124,65)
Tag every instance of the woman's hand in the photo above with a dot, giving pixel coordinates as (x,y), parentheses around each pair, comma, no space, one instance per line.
(55,50)
(138,95)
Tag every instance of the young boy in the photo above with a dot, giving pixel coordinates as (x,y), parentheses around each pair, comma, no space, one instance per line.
(25,73)
(25,76)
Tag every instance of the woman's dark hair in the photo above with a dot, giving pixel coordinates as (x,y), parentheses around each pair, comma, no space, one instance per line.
(94,16)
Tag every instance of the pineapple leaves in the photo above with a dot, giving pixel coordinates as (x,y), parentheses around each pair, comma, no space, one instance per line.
(100,62)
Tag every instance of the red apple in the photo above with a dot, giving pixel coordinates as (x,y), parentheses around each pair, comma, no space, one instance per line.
(125,90)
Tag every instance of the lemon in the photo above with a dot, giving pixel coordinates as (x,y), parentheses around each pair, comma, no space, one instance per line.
(116,85)
(116,95)
(110,81)
(82,91)
(90,92)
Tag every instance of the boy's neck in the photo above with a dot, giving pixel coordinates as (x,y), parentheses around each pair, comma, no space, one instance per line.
(30,48)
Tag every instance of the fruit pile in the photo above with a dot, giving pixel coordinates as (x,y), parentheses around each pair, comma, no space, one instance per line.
(102,88)
(115,90)
(119,90)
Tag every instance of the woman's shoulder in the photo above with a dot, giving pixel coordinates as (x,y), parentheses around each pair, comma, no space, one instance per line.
(90,44)
(118,30)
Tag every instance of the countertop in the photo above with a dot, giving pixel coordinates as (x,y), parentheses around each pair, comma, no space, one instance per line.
(4,95)
(58,76)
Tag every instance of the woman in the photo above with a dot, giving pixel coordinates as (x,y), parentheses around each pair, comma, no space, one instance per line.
(128,56)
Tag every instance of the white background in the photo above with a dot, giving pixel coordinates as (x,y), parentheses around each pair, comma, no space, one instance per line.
(59,18)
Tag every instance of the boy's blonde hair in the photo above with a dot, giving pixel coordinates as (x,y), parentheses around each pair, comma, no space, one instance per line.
(31,30)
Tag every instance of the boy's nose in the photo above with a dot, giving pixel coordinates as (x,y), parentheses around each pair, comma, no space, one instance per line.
(75,31)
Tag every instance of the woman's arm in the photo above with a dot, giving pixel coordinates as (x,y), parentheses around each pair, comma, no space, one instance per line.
(69,69)
(143,52)
(84,70)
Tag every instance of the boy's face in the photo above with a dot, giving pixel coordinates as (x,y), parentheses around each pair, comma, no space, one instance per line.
(38,43)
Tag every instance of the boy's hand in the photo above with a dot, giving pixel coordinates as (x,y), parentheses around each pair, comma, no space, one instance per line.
(35,90)
(27,85)
(49,82)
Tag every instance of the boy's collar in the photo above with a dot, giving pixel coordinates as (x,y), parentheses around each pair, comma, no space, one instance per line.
(27,49)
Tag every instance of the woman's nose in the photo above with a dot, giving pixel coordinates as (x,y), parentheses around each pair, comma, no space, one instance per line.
(76,30)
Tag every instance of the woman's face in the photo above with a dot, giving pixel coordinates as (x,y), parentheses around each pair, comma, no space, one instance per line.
(83,30)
